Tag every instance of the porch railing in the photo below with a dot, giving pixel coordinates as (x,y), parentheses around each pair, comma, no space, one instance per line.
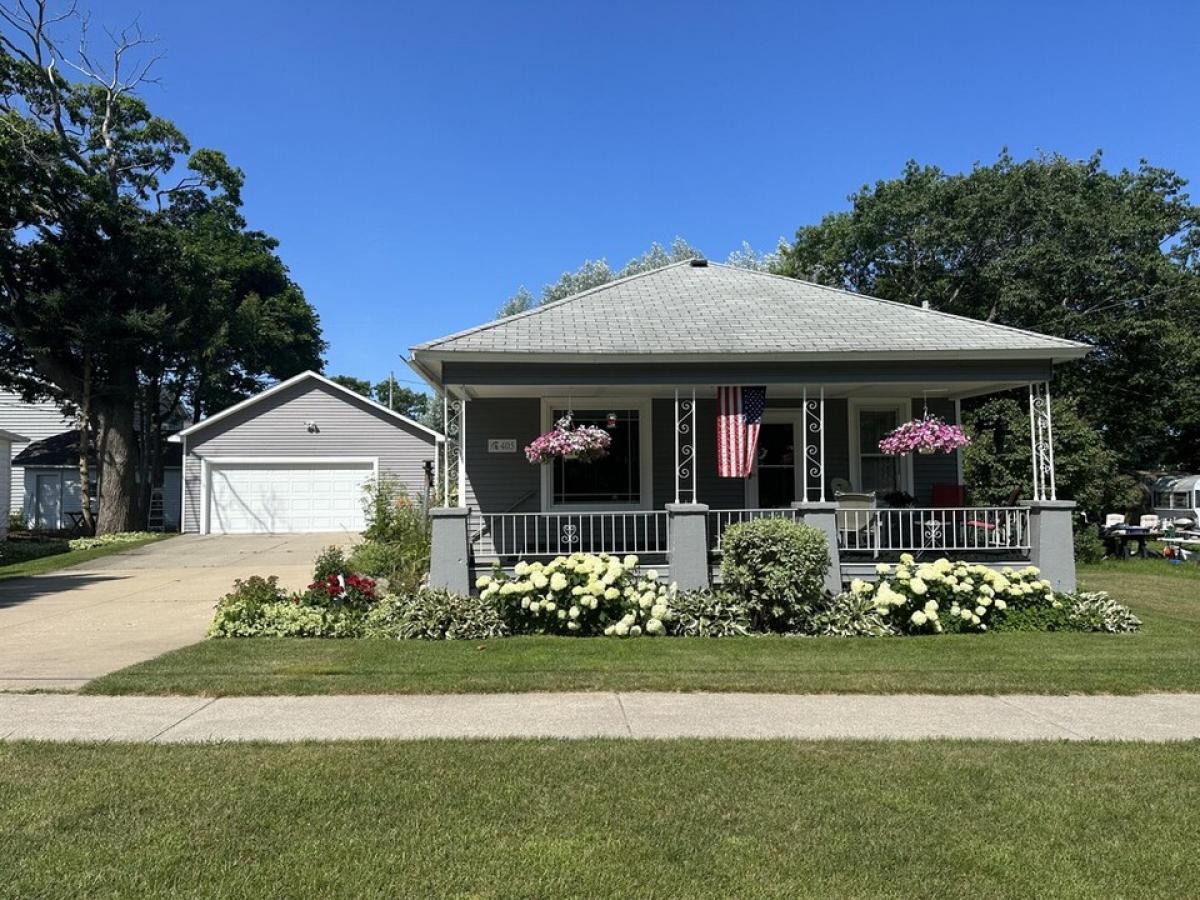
(517,534)
(986,529)
(720,519)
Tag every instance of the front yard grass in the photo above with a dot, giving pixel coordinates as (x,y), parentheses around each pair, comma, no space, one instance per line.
(52,562)
(601,819)
(1163,656)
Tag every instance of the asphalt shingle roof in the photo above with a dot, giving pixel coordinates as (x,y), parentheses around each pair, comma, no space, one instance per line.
(686,309)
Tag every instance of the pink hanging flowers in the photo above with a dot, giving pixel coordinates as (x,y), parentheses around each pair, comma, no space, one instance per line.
(928,434)
(583,442)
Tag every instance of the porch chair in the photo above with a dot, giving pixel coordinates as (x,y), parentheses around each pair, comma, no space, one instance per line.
(1112,520)
(996,533)
(866,525)
(1150,522)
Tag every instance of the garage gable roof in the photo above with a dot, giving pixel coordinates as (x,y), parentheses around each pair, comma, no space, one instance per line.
(12,437)
(296,379)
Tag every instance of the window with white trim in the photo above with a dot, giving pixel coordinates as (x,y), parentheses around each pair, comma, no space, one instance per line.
(615,478)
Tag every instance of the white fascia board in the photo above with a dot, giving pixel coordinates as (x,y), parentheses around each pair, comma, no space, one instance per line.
(296,379)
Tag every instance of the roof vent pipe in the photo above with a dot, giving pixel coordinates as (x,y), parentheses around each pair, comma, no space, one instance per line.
(924,304)
(699,263)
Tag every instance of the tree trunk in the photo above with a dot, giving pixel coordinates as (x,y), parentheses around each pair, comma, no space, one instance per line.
(118,467)
(85,442)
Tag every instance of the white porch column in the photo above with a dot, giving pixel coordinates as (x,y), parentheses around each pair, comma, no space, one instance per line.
(454,469)
(812,444)
(1041,439)
(1052,546)
(686,474)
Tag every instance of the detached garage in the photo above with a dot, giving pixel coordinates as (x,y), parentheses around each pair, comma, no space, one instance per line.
(296,458)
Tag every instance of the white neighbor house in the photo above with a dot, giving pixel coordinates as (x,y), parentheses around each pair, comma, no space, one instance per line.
(35,421)
(7,439)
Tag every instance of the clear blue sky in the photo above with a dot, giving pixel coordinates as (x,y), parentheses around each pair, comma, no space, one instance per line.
(419,162)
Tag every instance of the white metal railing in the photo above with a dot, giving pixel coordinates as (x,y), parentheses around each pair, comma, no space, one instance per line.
(517,534)
(720,519)
(939,530)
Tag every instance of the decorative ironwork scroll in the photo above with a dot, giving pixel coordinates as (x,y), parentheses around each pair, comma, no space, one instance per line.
(454,477)
(1041,438)
(812,446)
(685,449)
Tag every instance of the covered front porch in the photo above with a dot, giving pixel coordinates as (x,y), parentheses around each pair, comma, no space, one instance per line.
(657,493)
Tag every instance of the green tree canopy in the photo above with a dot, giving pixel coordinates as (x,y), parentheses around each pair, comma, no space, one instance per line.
(127,275)
(1055,245)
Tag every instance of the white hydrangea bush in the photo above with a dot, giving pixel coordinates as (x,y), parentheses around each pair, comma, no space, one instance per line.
(947,596)
(581,594)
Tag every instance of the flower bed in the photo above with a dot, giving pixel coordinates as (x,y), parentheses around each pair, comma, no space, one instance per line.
(588,595)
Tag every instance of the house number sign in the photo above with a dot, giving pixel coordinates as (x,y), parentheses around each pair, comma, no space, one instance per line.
(502,445)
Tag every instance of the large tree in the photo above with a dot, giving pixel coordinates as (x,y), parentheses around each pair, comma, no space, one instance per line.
(119,292)
(1059,246)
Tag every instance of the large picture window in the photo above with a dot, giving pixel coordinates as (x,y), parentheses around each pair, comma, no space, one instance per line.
(613,479)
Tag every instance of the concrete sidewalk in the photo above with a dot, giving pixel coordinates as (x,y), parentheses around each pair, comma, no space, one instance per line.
(63,717)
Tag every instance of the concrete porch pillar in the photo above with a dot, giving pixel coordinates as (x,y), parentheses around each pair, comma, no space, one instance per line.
(688,550)
(1052,541)
(823,517)
(449,553)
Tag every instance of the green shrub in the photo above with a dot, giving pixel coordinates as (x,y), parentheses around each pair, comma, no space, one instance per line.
(435,615)
(1035,618)
(847,615)
(952,596)
(581,594)
(259,607)
(1088,546)
(1096,611)
(22,551)
(404,568)
(777,567)
(709,614)
(392,516)
(330,561)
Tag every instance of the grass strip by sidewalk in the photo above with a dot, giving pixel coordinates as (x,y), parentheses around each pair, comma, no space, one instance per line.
(1164,656)
(601,819)
(40,565)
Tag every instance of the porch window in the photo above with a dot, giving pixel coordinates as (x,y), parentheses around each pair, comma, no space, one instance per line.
(877,471)
(616,477)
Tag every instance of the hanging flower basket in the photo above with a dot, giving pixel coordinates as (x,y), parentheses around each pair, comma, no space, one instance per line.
(928,434)
(585,443)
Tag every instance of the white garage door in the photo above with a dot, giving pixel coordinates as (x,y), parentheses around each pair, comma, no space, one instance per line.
(251,498)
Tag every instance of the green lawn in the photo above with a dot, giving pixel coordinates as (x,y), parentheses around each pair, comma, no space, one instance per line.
(601,819)
(52,562)
(1164,656)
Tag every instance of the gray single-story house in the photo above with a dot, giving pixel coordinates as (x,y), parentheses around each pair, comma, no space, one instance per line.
(645,358)
(7,439)
(296,458)
(52,500)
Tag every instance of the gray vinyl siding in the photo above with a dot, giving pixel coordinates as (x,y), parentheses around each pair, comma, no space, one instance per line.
(34,421)
(937,468)
(275,427)
(502,482)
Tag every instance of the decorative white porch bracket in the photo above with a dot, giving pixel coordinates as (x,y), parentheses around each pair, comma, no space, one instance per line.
(1041,437)
(686,474)
(812,440)
(454,471)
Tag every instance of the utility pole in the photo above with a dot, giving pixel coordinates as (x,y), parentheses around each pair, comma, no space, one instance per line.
(391,386)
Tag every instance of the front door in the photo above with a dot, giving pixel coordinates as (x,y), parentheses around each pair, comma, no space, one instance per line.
(775,465)
(49,505)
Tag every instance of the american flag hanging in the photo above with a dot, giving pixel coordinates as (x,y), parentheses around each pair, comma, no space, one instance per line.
(739,415)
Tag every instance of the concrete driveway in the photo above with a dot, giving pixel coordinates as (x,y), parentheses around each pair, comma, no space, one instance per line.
(64,628)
